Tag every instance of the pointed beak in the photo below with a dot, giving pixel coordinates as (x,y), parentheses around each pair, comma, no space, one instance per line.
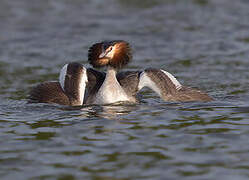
(102,55)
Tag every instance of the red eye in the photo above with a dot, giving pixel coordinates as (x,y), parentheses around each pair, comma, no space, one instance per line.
(109,49)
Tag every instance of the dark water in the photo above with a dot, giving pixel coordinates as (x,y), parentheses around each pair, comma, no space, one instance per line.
(203,43)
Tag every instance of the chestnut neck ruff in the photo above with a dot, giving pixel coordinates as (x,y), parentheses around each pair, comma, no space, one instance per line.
(122,54)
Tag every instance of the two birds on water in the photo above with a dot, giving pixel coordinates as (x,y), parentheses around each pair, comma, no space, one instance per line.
(78,85)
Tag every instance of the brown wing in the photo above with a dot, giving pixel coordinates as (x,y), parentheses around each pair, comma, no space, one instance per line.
(168,88)
(191,94)
(129,81)
(48,92)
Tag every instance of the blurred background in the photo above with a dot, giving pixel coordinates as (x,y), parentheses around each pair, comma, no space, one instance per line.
(204,43)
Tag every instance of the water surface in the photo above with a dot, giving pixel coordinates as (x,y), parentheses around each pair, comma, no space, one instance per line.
(205,44)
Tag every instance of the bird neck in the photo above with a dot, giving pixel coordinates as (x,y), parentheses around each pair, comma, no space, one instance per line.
(111,73)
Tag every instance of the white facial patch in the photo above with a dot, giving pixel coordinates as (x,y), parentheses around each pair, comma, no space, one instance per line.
(63,76)
(110,54)
(173,79)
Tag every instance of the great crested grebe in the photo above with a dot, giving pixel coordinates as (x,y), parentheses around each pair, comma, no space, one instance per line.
(110,87)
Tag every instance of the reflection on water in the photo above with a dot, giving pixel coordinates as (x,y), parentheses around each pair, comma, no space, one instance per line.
(203,43)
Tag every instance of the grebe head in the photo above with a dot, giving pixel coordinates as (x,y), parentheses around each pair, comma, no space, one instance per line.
(110,53)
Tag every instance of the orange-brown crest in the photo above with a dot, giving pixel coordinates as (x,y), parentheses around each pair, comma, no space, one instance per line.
(113,53)
(93,56)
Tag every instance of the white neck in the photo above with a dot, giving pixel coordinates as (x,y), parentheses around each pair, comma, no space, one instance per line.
(111,74)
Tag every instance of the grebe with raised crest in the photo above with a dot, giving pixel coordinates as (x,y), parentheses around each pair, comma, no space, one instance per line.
(96,87)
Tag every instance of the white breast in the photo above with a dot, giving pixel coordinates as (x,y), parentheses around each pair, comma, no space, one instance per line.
(111,92)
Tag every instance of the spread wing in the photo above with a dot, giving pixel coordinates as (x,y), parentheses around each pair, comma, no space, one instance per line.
(168,88)
(133,81)
(48,92)
(68,91)
(161,82)
(52,92)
